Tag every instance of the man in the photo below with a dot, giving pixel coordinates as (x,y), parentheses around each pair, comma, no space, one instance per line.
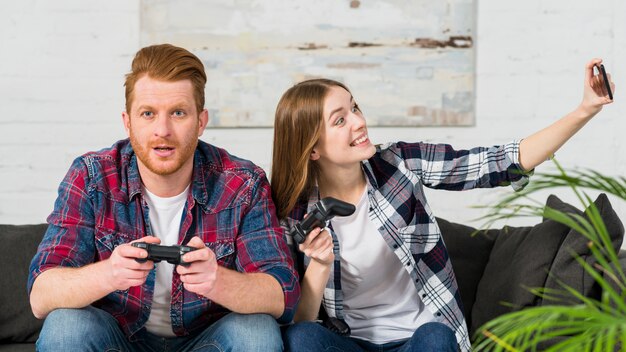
(163,186)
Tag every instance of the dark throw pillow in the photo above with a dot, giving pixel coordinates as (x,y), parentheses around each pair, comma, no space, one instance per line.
(565,268)
(519,260)
(19,244)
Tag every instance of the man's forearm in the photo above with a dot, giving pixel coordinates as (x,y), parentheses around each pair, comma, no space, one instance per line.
(248,293)
(67,288)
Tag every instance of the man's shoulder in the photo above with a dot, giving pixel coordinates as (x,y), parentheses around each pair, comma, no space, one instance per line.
(107,159)
(221,161)
(106,169)
(223,180)
(115,152)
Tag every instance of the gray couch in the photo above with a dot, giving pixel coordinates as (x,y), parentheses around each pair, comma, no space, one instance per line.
(492,266)
(497,266)
(18,327)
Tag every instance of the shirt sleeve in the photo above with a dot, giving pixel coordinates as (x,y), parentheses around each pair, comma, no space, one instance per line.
(441,166)
(262,246)
(69,239)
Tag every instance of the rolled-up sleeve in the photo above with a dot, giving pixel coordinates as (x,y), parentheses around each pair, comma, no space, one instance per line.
(68,241)
(512,152)
(262,246)
(441,166)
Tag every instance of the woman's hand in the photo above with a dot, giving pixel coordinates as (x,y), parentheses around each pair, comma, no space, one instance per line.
(318,245)
(539,146)
(595,94)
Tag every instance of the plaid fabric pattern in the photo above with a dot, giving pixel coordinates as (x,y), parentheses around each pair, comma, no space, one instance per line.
(229,206)
(396,175)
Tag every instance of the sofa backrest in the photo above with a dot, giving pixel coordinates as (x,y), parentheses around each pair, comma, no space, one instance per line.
(18,244)
(495,269)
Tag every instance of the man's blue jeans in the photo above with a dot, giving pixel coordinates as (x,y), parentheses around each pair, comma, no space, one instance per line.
(311,336)
(92,329)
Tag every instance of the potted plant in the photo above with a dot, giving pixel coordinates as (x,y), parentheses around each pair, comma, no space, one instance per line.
(591,325)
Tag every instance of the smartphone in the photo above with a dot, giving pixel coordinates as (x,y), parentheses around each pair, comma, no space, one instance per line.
(602,71)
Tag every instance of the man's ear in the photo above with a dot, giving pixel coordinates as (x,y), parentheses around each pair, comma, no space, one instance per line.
(204,120)
(126,122)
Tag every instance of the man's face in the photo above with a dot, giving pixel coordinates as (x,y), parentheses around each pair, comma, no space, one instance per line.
(164,126)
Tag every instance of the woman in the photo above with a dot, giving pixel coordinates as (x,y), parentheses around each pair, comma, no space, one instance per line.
(385,270)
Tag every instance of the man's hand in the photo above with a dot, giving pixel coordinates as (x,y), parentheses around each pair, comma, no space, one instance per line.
(201,274)
(125,271)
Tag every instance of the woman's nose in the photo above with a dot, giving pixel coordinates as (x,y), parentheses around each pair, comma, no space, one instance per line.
(358,121)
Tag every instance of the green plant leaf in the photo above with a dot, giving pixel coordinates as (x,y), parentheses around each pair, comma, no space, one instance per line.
(589,325)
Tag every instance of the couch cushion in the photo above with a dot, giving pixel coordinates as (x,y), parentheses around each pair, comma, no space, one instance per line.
(565,268)
(18,246)
(611,280)
(469,252)
(519,260)
(18,347)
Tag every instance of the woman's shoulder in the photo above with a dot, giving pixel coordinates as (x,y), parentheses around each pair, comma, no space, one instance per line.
(298,211)
(398,147)
(394,151)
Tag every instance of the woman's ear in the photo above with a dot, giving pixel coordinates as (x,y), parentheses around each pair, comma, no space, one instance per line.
(314,155)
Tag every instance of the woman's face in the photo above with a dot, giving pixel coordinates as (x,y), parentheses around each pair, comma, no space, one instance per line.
(344,140)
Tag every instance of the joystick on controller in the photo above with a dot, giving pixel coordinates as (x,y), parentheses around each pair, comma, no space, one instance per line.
(171,254)
(325,209)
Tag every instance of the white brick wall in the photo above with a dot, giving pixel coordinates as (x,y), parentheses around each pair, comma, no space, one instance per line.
(62,65)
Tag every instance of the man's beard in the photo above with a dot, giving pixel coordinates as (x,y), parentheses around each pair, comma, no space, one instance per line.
(182,154)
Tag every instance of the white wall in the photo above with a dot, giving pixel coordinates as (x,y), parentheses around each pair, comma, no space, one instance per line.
(62,65)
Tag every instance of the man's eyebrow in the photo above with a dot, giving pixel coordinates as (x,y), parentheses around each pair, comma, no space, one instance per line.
(181,106)
(177,106)
(144,107)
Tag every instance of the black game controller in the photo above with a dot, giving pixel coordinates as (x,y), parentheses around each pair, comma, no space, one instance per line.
(338,326)
(325,209)
(157,252)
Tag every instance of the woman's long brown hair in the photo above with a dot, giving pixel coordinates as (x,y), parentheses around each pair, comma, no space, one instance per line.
(297,128)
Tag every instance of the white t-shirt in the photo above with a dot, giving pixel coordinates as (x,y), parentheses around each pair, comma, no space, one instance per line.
(381,303)
(165,216)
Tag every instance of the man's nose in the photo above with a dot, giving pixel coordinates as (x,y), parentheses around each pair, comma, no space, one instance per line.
(163,126)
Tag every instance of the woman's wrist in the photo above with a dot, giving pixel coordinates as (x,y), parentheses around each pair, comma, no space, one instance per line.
(586,111)
(321,264)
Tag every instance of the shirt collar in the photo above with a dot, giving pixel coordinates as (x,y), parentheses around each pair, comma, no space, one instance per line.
(372,184)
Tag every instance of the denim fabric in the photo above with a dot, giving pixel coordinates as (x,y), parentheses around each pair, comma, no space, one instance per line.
(310,336)
(92,329)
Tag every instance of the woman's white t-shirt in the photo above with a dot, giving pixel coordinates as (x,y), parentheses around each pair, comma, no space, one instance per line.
(381,303)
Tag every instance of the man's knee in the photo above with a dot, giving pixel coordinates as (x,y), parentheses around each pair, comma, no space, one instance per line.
(249,332)
(69,328)
(66,326)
